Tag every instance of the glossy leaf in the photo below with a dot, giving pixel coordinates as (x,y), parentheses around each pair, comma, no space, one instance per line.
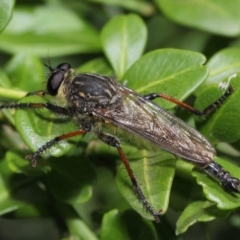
(26,72)
(143,7)
(222,65)
(154,172)
(4,80)
(18,164)
(7,202)
(71,179)
(80,230)
(28,32)
(40,126)
(198,211)
(223,124)
(219,17)
(126,226)
(214,191)
(174,72)
(98,65)
(113,227)
(6,8)
(171,35)
(77,227)
(124,39)
(14,192)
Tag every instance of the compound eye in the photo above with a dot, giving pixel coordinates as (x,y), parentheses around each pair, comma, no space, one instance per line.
(63,66)
(54,83)
(56,78)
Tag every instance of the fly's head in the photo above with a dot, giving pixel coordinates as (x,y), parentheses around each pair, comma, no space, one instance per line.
(85,91)
(58,79)
(89,91)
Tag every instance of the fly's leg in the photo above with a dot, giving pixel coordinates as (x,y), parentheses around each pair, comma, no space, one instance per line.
(38,93)
(112,141)
(49,106)
(230,183)
(33,157)
(206,111)
(52,108)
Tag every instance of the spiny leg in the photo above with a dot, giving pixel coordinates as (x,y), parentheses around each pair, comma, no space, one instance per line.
(49,106)
(33,157)
(215,170)
(206,111)
(230,183)
(52,108)
(112,141)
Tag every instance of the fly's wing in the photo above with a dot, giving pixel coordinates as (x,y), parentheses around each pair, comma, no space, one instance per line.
(149,121)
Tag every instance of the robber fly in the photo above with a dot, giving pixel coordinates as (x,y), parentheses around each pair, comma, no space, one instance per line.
(95,101)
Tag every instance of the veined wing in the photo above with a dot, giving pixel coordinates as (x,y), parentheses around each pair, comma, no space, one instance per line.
(147,120)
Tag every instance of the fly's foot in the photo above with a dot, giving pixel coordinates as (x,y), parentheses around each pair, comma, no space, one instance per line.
(155,214)
(32,159)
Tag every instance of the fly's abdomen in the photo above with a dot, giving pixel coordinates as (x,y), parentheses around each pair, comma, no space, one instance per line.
(229,182)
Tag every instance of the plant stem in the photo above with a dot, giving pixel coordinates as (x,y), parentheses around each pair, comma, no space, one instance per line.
(12,94)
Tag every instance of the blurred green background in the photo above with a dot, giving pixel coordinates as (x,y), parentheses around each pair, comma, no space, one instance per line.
(79,190)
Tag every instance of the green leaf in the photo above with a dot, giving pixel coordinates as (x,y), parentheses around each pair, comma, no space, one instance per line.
(71,179)
(18,164)
(198,211)
(218,17)
(97,65)
(175,36)
(126,226)
(26,72)
(18,192)
(223,124)
(80,230)
(214,192)
(77,227)
(37,127)
(113,227)
(124,38)
(174,72)
(27,33)
(7,202)
(6,8)
(154,172)
(223,64)
(143,7)
(4,80)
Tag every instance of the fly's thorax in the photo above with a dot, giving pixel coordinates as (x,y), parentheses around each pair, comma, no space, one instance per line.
(88,91)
